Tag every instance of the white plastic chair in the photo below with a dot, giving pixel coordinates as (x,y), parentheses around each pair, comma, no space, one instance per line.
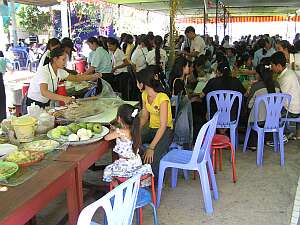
(118,204)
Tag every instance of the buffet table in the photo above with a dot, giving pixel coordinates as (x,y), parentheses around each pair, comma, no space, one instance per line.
(19,204)
(84,157)
(61,171)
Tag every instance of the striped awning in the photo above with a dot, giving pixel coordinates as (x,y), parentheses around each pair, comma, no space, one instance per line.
(239,19)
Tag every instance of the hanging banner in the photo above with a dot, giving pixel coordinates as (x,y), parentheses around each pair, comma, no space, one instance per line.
(84,26)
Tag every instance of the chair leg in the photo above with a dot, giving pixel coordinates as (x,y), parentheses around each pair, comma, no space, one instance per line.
(162,169)
(232,138)
(213,156)
(174,175)
(155,219)
(215,160)
(194,175)
(275,139)
(205,188)
(138,216)
(153,190)
(233,165)
(141,216)
(260,147)
(186,174)
(246,138)
(281,147)
(220,159)
(212,180)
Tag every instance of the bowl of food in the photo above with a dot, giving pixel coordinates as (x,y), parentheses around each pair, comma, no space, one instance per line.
(25,158)
(7,169)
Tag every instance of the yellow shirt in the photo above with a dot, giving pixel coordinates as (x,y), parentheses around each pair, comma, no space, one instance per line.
(154,109)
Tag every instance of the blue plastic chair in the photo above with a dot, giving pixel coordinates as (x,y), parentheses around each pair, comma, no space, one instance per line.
(273,123)
(118,204)
(224,100)
(144,198)
(196,160)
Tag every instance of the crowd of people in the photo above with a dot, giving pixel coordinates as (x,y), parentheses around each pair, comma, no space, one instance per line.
(136,67)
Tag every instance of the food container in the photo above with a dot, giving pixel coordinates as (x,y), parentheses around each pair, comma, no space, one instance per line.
(46,122)
(34,110)
(24,127)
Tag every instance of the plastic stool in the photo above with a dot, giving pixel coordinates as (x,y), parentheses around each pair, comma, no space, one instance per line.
(117,180)
(220,142)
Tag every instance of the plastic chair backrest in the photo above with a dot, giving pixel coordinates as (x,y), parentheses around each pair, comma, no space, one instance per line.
(203,142)
(118,204)
(224,101)
(273,105)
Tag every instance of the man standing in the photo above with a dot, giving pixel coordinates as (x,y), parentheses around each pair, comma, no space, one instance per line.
(195,43)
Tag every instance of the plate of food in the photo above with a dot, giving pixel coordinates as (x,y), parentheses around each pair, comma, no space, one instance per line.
(45,146)
(78,133)
(25,158)
(6,149)
(7,169)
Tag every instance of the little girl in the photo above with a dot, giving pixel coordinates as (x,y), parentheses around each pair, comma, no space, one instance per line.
(128,141)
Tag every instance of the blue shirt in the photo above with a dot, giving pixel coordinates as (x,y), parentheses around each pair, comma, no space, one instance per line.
(101,60)
(258,55)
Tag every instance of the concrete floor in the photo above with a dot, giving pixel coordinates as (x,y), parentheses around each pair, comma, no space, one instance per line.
(261,195)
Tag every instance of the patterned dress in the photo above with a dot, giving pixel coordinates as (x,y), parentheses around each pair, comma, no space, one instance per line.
(128,164)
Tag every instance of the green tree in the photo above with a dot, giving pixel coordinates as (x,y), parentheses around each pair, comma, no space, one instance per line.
(32,19)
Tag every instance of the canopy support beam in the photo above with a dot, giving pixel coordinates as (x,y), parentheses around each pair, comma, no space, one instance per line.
(14,23)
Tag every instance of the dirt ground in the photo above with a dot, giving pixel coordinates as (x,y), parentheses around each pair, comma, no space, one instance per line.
(261,196)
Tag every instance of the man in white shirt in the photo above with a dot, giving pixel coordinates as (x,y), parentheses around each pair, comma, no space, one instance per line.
(289,84)
(197,44)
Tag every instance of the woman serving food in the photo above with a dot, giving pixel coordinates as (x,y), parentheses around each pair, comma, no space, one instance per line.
(44,84)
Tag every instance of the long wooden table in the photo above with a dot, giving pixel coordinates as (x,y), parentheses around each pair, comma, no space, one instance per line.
(83,156)
(19,204)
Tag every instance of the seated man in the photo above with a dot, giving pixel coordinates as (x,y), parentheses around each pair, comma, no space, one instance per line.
(289,84)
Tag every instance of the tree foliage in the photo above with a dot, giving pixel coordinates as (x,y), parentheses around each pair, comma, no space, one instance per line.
(32,19)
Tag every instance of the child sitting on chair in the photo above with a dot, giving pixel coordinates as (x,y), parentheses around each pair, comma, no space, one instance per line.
(128,141)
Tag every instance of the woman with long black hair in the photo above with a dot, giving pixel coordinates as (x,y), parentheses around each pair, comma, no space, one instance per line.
(44,84)
(52,44)
(264,85)
(157,56)
(157,110)
(99,62)
(265,50)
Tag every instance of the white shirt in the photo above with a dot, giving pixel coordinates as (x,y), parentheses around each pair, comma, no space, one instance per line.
(295,60)
(150,58)
(47,76)
(139,58)
(289,84)
(42,60)
(198,45)
(118,58)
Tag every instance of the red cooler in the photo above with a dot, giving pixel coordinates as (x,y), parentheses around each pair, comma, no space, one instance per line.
(61,90)
(25,89)
(80,66)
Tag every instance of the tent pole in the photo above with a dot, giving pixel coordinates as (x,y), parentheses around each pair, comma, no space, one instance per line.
(173,8)
(64,19)
(217,5)
(224,17)
(204,21)
(14,23)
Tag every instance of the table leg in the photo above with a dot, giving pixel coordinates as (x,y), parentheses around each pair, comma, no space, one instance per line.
(79,188)
(72,199)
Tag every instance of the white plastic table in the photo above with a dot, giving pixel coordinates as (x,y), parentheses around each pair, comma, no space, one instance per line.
(108,116)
